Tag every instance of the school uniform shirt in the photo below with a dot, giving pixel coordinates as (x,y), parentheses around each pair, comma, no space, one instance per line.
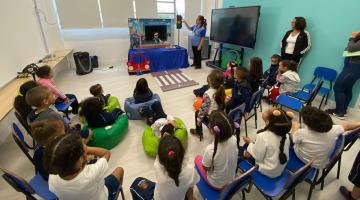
(225,162)
(160,123)
(254,83)
(51,85)
(166,188)
(48,114)
(289,81)
(266,150)
(88,185)
(198,33)
(310,143)
(209,104)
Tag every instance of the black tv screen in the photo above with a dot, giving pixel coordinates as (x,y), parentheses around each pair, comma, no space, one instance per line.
(236,26)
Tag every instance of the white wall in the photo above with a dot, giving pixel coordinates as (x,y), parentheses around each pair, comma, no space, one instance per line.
(111,45)
(20,37)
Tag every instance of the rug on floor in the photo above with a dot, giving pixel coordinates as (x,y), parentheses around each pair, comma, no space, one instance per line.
(172,80)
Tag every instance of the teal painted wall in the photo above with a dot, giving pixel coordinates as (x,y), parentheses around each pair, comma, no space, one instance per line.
(330,24)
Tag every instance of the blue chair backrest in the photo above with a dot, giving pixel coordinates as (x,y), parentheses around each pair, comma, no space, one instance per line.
(18,132)
(255,98)
(325,73)
(339,145)
(236,185)
(237,113)
(298,176)
(351,136)
(17,182)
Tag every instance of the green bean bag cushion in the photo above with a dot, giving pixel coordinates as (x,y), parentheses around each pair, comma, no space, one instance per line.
(151,142)
(108,137)
(112,103)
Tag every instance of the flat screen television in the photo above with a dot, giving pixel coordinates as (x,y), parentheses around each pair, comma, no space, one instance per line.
(236,26)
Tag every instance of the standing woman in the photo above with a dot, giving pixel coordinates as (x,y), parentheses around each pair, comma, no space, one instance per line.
(347,78)
(198,39)
(296,42)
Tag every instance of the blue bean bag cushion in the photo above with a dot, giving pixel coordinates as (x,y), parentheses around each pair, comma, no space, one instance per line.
(108,137)
(131,108)
(151,142)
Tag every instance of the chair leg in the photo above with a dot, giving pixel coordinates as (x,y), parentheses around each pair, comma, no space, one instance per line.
(339,167)
(243,195)
(327,96)
(293,195)
(245,127)
(323,180)
(312,185)
(321,101)
(255,118)
(122,194)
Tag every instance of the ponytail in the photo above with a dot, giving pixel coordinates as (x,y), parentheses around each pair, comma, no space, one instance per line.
(282,155)
(203,21)
(216,141)
(219,97)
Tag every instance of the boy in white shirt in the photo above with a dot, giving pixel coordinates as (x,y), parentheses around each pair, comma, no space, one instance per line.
(318,137)
(71,178)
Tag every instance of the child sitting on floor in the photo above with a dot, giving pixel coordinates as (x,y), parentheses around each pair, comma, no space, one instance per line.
(161,123)
(270,74)
(271,149)
(71,178)
(213,99)
(97,91)
(142,92)
(20,104)
(93,110)
(174,179)
(255,73)
(219,163)
(287,78)
(241,92)
(318,137)
(46,74)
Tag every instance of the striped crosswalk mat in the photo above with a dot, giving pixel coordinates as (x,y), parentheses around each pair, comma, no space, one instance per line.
(172,80)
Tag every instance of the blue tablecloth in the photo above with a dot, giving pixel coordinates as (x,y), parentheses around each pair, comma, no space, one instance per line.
(162,59)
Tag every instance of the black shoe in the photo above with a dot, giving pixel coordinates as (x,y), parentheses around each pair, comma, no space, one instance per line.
(338,115)
(192,65)
(197,67)
(196,133)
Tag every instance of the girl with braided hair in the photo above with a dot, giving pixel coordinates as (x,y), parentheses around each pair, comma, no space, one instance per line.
(271,148)
(219,162)
(174,179)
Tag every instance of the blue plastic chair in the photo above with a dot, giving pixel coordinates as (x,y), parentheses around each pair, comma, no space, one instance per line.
(64,107)
(37,185)
(19,139)
(283,185)
(240,183)
(295,163)
(236,115)
(255,102)
(350,138)
(295,103)
(326,74)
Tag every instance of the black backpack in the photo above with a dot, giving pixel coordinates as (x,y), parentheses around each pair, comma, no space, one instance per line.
(83,63)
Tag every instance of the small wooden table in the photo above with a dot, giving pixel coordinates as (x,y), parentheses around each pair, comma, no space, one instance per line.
(9,91)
